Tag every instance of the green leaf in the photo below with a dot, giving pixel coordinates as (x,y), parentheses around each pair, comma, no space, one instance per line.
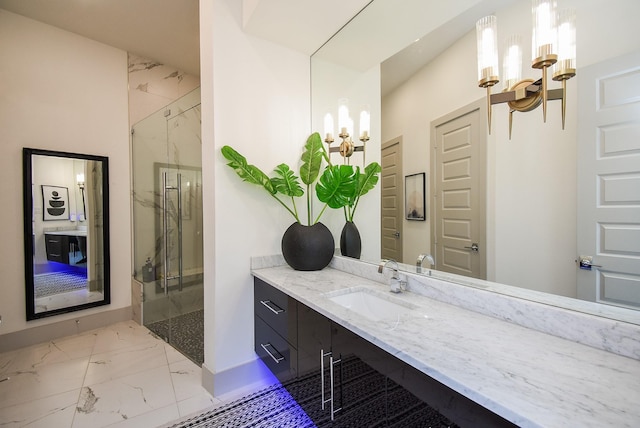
(336,185)
(369,179)
(286,182)
(312,159)
(249,173)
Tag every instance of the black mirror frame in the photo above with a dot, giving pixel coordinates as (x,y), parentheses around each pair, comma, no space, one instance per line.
(27,171)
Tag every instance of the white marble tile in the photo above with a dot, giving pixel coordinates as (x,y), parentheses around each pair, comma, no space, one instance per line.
(187,379)
(120,375)
(53,411)
(154,418)
(197,404)
(50,379)
(173,355)
(123,362)
(124,398)
(56,351)
(76,346)
(122,335)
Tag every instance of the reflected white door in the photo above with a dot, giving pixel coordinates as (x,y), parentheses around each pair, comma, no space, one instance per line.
(459,179)
(608,215)
(391,204)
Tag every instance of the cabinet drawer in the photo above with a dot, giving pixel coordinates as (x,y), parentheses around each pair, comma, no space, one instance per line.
(276,309)
(275,352)
(55,247)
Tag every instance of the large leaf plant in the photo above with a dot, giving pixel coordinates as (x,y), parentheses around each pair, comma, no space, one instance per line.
(366,181)
(337,187)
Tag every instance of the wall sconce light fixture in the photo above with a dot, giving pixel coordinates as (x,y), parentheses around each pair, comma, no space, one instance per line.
(80,181)
(345,125)
(553,44)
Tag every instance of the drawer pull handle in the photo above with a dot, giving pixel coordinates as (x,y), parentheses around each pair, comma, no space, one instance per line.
(276,359)
(269,303)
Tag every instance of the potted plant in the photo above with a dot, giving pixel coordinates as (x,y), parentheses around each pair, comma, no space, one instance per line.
(307,246)
(350,242)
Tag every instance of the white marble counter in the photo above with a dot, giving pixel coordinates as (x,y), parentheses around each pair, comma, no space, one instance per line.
(70,232)
(528,377)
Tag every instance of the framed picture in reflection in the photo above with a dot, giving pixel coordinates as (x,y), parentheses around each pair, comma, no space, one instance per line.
(414,200)
(55,203)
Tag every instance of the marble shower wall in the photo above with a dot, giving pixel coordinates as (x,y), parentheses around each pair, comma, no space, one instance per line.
(153,85)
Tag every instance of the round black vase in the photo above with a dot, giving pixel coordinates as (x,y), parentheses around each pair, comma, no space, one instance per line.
(350,243)
(307,247)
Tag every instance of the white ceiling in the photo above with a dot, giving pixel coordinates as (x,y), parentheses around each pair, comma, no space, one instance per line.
(163,30)
(167,31)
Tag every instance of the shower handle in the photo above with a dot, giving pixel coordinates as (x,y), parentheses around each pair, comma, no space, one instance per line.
(179,232)
(165,241)
(165,224)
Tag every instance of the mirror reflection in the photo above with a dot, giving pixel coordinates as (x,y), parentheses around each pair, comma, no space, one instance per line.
(66,233)
(532,225)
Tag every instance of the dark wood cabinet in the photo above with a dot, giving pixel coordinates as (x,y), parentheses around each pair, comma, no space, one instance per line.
(367,386)
(57,247)
(68,249)
(275,338)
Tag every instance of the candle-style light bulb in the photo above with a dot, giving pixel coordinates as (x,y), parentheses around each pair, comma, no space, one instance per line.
(365,124)
(343,115)
(328,127)
(512,62)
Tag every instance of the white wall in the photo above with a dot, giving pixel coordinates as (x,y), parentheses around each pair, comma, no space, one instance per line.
(255,97)
(531,179)
(59,91)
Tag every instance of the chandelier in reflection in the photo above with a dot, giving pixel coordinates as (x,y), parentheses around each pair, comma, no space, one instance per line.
(553,44)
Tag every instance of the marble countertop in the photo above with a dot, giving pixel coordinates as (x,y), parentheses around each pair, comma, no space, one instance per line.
(528,377)
(71,232)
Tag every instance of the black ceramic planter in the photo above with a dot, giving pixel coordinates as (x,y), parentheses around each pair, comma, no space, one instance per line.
(350,243)
(307,247)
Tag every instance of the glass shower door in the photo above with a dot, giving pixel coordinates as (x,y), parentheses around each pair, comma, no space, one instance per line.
(167,181)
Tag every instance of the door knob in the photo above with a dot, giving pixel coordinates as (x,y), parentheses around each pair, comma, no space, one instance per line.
(473,247)
(585,262)
(396,234)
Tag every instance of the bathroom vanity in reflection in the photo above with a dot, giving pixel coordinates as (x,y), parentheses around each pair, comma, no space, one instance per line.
(66,246)
(478,357)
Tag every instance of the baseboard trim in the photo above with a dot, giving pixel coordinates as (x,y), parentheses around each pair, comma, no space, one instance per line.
(56,330)
(235,378)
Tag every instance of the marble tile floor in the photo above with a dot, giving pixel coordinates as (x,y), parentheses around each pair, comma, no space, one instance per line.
(117,376)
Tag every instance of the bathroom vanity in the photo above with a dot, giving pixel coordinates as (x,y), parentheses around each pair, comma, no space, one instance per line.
(66,246)
(474,367)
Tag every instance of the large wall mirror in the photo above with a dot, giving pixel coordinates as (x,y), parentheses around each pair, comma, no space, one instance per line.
(66,232)
(414,63)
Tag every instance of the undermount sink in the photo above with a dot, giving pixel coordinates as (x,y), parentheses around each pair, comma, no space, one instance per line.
(371,304)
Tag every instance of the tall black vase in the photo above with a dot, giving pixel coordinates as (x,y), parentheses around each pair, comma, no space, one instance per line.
(350,243)
(307,247)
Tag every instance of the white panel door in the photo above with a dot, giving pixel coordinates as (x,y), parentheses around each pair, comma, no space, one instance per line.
(460,178)
(608,215)
(391,204)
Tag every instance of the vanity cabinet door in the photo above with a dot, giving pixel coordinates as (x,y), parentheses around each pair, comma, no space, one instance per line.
(314,343)
(275,330)
(57,247)
(276,309)
(360,390)
(274,351)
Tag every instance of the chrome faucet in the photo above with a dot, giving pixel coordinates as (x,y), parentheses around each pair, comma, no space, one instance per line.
(421,258)
(396,284)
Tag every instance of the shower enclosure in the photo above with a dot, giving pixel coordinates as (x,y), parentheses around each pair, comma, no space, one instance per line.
(167,223)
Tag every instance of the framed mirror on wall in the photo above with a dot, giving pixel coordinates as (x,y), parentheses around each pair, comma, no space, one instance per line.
(66,232)
(532,204)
